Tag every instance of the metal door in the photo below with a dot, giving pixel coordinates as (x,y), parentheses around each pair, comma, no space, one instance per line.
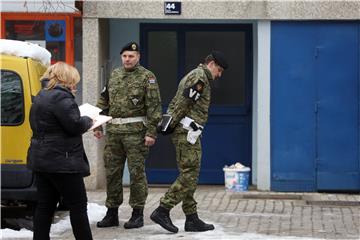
(315,106)
(293,93)
(337,71)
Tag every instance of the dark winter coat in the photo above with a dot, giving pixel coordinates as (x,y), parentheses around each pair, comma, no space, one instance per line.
(56,144)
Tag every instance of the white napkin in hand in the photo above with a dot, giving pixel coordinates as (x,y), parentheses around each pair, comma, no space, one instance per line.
(192,136)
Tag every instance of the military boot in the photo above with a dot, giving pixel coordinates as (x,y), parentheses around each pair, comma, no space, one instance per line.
(111,219)
(194,224)
(136,220)
(161,216)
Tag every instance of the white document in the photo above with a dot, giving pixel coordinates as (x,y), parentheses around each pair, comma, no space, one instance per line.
(94,113)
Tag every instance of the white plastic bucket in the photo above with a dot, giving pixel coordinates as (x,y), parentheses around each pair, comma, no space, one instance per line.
(236,180)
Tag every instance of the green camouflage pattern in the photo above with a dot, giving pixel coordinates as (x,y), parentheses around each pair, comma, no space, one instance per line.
(188,159)
(188,156)
(132,94)
(181,106)
(120,146)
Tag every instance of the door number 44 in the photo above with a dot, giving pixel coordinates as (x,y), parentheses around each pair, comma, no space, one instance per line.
(170,6)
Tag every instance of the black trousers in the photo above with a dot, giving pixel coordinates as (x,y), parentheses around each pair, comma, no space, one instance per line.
(71,187)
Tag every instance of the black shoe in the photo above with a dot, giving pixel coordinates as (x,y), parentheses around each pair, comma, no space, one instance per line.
(194,224)
(136,220)
(161,216)
(111,219)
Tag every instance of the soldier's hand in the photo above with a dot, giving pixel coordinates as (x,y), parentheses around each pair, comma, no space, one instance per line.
(194,126)
(149,141)
(98,133)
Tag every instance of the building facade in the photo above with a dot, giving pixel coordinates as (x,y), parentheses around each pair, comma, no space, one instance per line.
(288,107)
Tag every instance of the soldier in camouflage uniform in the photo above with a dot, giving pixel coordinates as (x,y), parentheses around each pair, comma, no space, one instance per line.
(189,112)
(132,98)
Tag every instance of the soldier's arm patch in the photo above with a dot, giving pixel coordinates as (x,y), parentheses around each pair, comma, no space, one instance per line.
(152,80)
(194,92)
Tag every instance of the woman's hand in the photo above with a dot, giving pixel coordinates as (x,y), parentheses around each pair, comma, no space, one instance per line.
(98,132)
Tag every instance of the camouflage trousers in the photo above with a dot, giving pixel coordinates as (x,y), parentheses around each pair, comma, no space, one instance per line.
(118,148)
(188,159)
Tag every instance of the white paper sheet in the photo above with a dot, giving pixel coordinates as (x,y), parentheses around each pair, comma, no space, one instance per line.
(93,112)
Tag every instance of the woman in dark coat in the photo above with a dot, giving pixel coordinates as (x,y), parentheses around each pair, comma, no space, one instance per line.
(56,154)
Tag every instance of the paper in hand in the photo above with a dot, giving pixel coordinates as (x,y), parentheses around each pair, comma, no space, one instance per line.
(94,113)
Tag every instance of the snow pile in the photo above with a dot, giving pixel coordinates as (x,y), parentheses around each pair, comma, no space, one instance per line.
(11,234)
(25,49)
(95,212)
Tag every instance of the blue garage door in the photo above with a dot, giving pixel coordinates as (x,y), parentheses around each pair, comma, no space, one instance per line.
(315,106)
(171,51)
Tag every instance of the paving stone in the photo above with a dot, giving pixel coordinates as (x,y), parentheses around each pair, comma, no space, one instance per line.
(282,214)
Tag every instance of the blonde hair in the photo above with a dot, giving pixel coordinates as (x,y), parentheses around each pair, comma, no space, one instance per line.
(62,74)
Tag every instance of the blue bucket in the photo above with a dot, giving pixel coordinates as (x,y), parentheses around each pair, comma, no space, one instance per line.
(236,180)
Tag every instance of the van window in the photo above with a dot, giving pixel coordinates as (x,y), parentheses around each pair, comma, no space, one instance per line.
(12,105)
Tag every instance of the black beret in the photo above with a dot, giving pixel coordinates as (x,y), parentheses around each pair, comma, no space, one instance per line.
(131,46)
(219,59)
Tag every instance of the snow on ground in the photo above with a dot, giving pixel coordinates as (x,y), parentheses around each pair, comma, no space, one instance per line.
(150,232)
(95,212)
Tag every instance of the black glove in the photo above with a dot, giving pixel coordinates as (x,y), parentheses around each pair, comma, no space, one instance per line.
(194,126)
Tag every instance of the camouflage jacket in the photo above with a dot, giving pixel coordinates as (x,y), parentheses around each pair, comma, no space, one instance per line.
(132,93)
(181,105)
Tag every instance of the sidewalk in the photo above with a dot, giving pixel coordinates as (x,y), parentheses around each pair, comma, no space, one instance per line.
(249,215)
(241,215)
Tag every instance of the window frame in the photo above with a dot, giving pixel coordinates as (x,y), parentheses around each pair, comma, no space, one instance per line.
(181,29)
(67,17)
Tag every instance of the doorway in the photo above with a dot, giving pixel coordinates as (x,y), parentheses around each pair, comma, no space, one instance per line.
(171,51)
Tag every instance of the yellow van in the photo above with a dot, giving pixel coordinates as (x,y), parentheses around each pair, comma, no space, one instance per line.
(21,65)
